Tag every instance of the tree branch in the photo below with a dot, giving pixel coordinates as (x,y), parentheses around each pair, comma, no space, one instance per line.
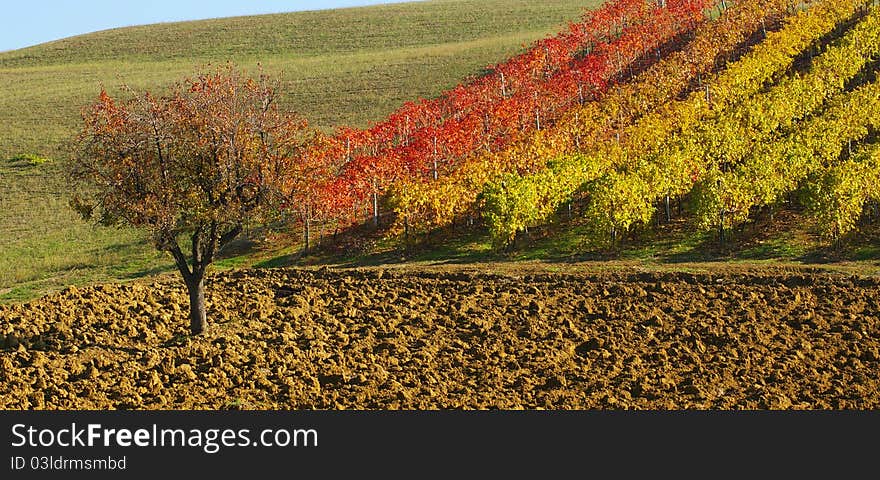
(180,260)
(197,248)
(212,246)
(228,237)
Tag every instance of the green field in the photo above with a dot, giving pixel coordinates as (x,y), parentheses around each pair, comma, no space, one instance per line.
(339,67)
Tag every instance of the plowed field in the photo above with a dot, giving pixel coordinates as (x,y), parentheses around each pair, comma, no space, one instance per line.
(374,339)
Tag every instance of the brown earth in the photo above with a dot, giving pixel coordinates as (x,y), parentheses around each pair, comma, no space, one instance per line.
(381,339)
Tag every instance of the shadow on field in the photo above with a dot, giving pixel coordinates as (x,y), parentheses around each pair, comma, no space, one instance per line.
(773,235)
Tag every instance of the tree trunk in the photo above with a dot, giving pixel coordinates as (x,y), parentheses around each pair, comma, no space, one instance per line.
(375,209)
(307,235)
(668,211)
(198,321)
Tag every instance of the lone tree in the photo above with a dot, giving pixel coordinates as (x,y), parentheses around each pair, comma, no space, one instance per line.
(191,167)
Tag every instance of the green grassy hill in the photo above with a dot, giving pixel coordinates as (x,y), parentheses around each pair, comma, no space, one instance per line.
(348,66)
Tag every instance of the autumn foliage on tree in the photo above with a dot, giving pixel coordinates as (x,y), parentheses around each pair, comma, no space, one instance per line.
(191,167)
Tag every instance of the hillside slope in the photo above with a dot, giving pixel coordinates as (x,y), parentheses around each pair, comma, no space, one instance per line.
(347,66)
(340,66)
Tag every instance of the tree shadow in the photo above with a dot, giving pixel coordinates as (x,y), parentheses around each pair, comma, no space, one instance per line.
(240,246)
(862,245)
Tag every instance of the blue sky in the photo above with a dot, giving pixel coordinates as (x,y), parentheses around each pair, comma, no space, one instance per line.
(29,22)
